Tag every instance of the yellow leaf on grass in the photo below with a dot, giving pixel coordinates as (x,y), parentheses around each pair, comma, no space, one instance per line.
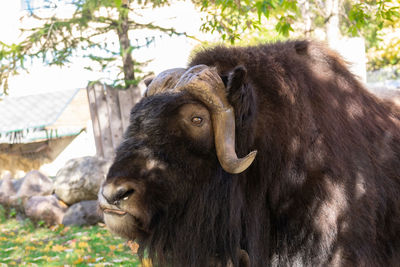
(112,247)
(58,248)
(120,247)
(83,245)
(30,248)
(78,260)
(19,239)
(2,238)
(80,252)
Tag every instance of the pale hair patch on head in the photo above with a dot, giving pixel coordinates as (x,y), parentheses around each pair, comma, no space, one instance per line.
(153,163)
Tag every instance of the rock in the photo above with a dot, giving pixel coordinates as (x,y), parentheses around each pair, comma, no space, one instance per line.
(18,182)
(5,174)
(46,208)
(7,190)
(33,184)
(80,179)
(83,213)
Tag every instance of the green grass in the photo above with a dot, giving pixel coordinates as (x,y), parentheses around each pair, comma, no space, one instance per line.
(23,243)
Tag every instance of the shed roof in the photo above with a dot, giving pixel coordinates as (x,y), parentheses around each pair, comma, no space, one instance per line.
(33,111)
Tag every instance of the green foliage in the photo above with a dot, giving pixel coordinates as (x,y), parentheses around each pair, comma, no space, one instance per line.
(13,213)
(263,20)
(3,214)
(22,243)
(386,52)
(232,19)
(92,31)
(369,17)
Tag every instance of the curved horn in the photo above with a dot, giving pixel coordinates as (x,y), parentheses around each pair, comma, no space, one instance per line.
(204,83)
(164,81)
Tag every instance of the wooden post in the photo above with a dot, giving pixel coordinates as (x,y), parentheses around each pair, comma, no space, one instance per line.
(104,122)
(95,120)
(114,117)
(125,103)
(110,111)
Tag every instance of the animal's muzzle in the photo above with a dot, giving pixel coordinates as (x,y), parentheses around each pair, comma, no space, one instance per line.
(112,195)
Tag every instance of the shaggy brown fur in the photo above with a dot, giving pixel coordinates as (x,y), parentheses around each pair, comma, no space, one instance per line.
(324,188)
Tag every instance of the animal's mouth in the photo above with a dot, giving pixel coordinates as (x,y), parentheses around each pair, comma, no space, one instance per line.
(122,221)
(121,213)
(114,212)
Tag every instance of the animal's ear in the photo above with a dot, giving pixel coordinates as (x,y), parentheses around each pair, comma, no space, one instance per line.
(147,81)
(241,96)
(301,47)
(236,79)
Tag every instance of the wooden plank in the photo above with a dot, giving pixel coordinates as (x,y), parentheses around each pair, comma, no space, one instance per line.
(136,95)
(127,99)
(95,120)
(102,112)
(125,104)
(114,116)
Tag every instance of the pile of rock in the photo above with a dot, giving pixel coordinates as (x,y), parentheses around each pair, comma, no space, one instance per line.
(69,199)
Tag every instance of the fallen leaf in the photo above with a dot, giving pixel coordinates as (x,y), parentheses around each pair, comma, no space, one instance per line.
(65,230)
(78,260)
(83,244)
(58,248)
(133,246)
(62,203)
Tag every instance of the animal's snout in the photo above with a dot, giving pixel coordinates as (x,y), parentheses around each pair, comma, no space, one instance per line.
(114,194)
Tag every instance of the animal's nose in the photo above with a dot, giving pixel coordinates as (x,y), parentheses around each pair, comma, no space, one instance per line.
(116,193)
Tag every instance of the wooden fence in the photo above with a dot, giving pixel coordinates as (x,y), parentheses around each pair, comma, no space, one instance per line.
(110,110)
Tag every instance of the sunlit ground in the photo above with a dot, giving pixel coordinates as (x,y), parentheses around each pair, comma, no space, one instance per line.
(24,244)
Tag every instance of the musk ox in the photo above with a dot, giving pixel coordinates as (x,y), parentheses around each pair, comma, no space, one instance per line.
(276,150)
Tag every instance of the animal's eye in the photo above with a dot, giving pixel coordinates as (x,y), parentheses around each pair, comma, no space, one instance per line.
(197,120)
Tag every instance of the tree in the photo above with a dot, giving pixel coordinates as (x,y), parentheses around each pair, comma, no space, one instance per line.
(57,39)
(235,18)
(386,51)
